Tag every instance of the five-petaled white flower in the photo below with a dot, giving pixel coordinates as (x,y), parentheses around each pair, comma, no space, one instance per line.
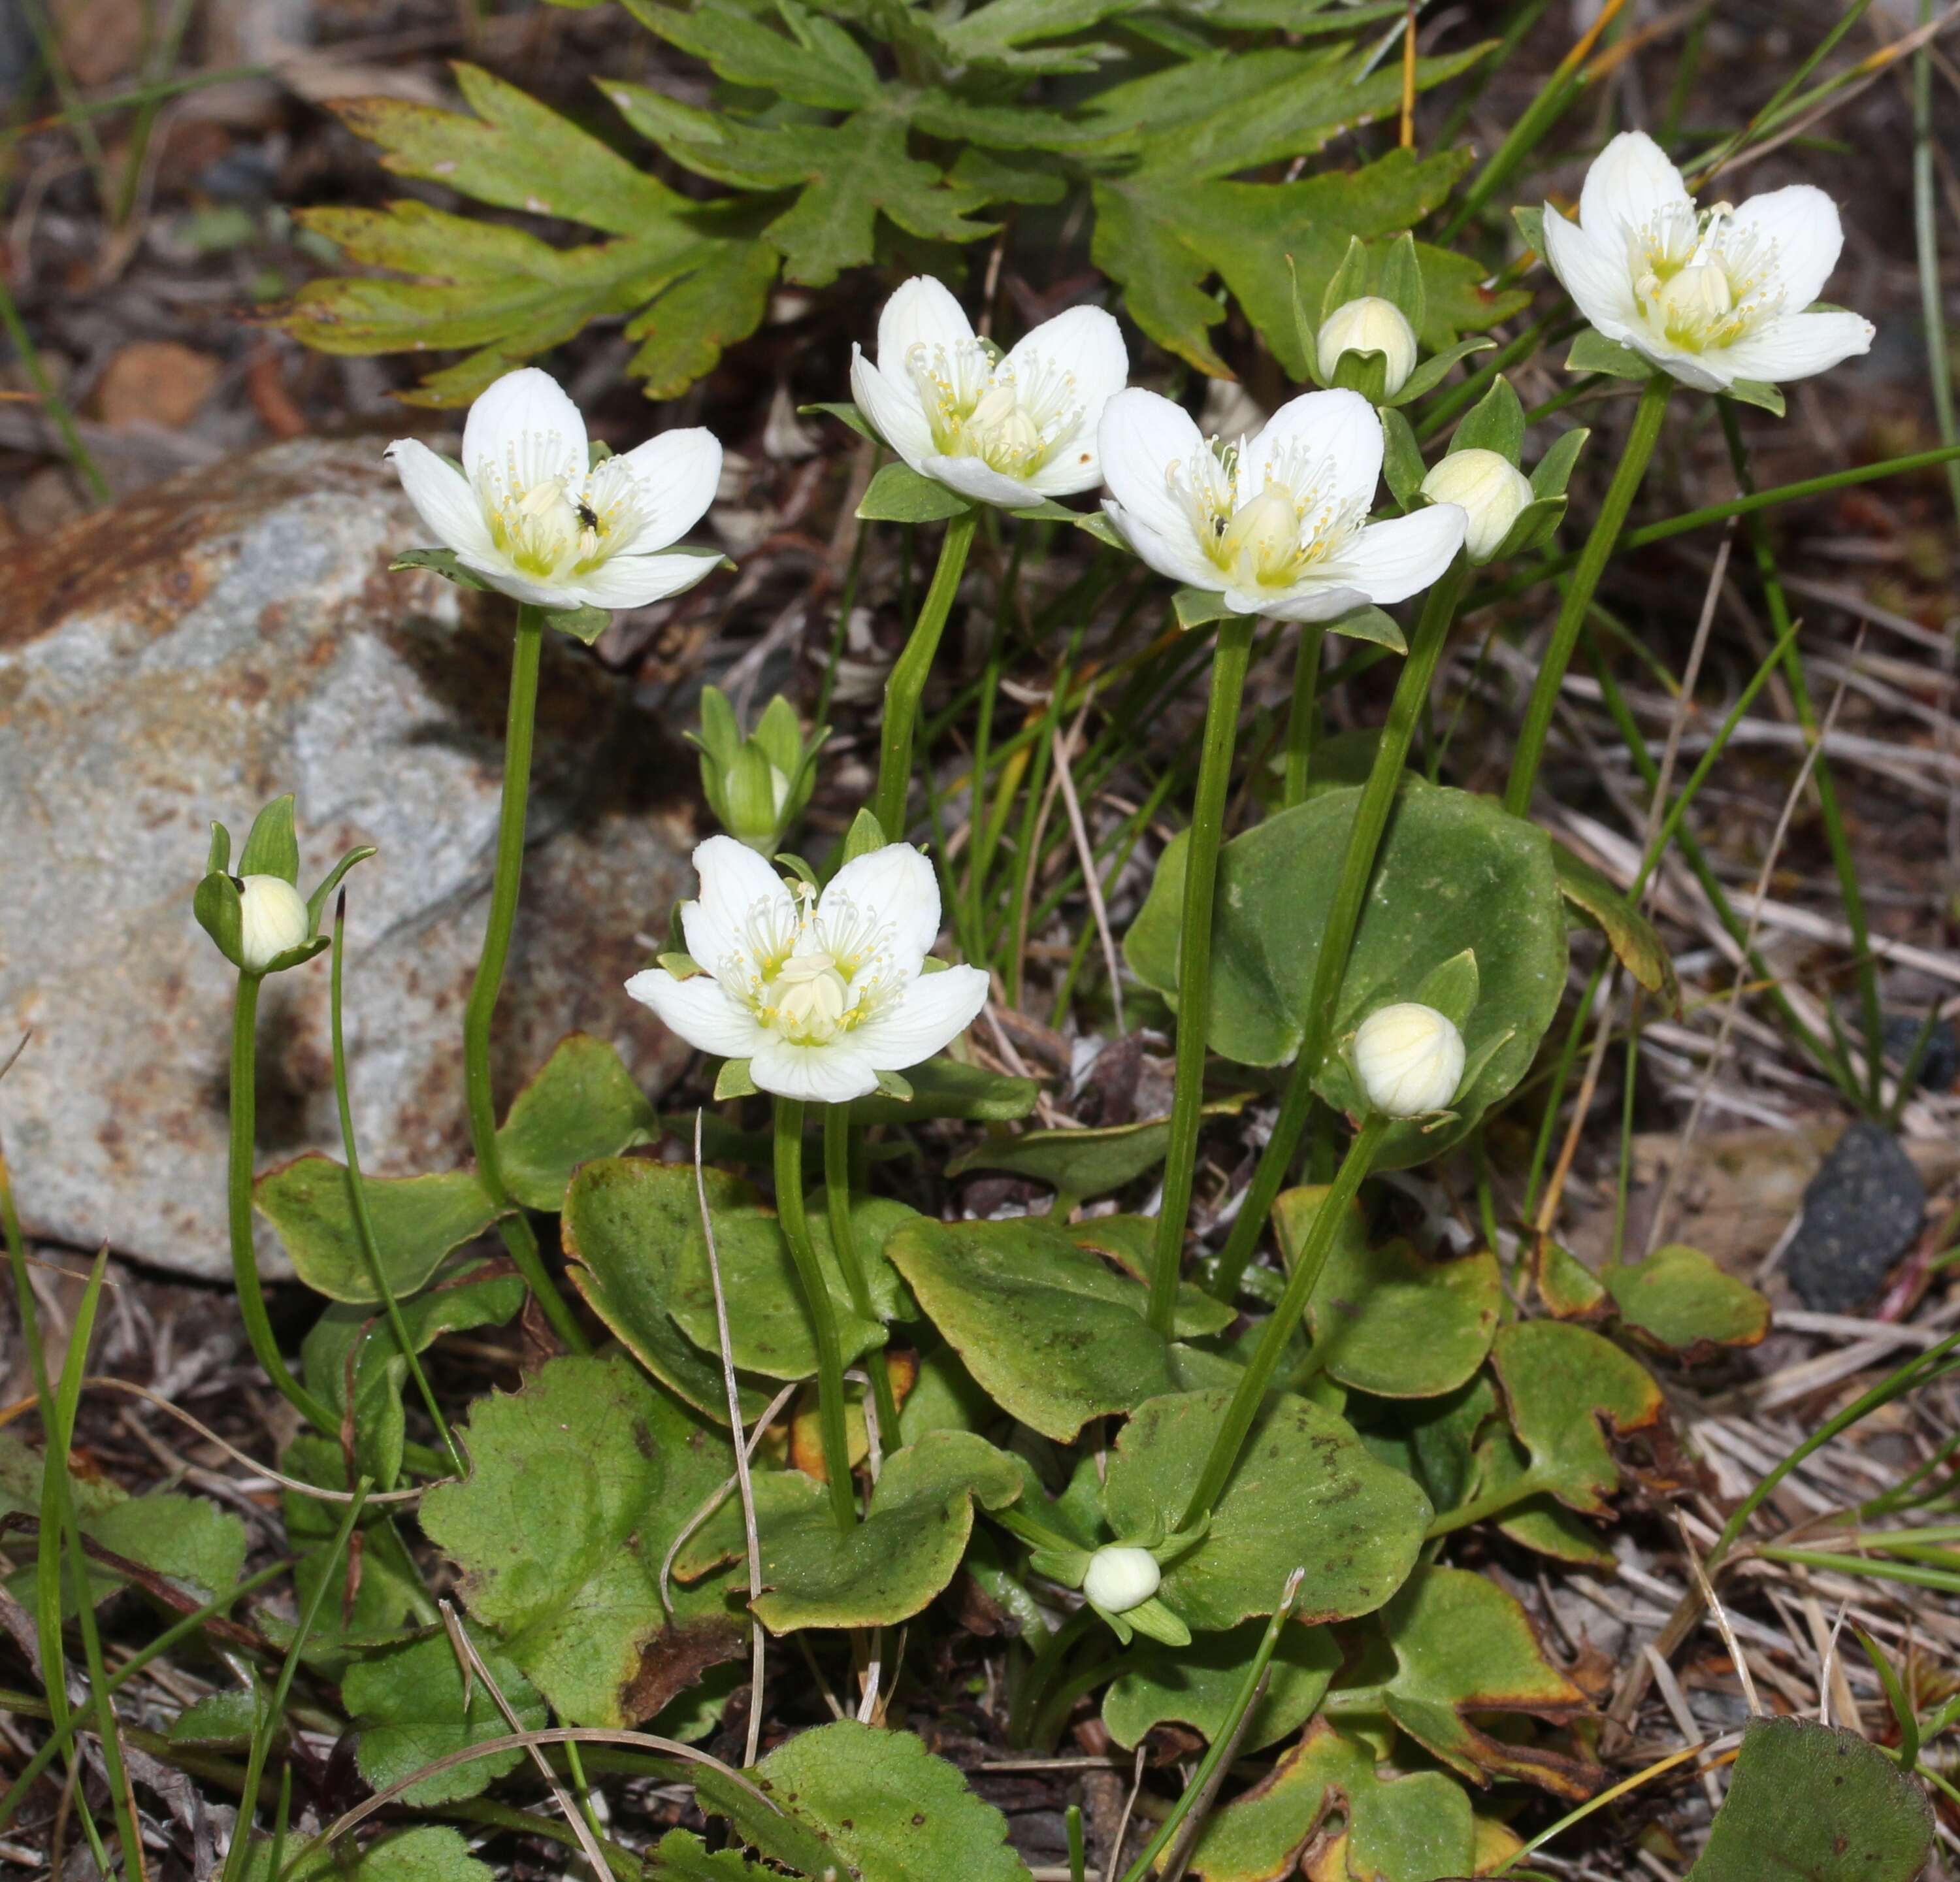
(527,513)
(1278,523)
(819,993)
(1709,296)
(1009,429)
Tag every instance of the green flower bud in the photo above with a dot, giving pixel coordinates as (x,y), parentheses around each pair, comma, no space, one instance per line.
(260,920)
(758,786)
(272,920)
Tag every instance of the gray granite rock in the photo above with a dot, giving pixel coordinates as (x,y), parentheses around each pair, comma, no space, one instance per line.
(1861,1212)
(207,644)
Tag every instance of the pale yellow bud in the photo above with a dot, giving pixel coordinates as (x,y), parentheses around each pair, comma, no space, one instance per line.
(1491,491)
(1120,1578)
(1409,1058)
(1696,296)
(273,918)
(1369,325)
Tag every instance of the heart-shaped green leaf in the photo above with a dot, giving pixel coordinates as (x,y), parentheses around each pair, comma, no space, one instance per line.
(944,1087)
(888,1566)
(578,1485)
(1569,1290)
(1540,1524)
(1082,1163)
(1306,1494)
(583,1103)
(1679,1298)
(1563,1385)
(1630,935)
(429,1852)
(1129,1241)
(1384,1320)
(1199,1685)
(898,494)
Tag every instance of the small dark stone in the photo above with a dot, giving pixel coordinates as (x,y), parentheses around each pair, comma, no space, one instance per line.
(1860,1214)
(1941,1065)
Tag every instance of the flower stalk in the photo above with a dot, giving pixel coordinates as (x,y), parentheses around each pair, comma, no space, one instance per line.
(1229,659)
(837,1197)
(515,1228)
(1301,712)
(789,1114)
(906,686)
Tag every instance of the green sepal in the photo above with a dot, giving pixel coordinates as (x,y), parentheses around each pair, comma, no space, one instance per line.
(865,834)
(1429,375)
(1368,622)
(1757,392)
(1533,525)
(1197,607)
(1451,988)
(271,849)
(316,902)
(893,1085)
(217,907)
(1347,282)
(444,563)
(1063,1566)
(779,733)
(1554,468)
(797,866)
(720,736)
(1367,372)
(845,413)
(584,624)
(596,449)
(1530,219)
(1473,1062)
(218,860)
(1306,334)
(1402,466)
(1094,522)
(1401,281)
(680,966)
(1156,1622)
(1592,351)
(1495,422)
(732,1081)
(898,494)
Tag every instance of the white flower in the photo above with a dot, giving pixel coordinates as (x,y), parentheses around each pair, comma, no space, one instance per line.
(1488,487)
(1409,1058)
(527,514)
(273,917)
(818,993)
(1369,324)
(1277,523)
(1012,430)
(1120,1578)
(1710,295)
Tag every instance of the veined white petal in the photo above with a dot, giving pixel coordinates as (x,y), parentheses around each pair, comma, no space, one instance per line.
(634,581)
(1706,372)
(934,1011)
(1798,346)
(1086,343)
(922,310)
(1390,562)
(496,569)
(1593,271)
(525,424)
(735,882)
(898,885)
(703,1012)
(443,497)
(1179,560)
(1144,439)
(833,1074)
(892,405)
(1341,428)
(674,477)
(1632,181)
(1800,224)
(1322,598)
(973,478)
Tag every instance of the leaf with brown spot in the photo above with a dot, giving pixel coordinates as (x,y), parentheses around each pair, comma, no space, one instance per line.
(1566,1387)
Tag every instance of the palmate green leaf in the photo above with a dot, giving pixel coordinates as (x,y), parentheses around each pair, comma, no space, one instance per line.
(890,1566)
(1413,1829)
(582,1102)
(578,1485)
(1811,1804)
(1306,1494)
(1563,1385)
(1678,1297)
(1197,1686)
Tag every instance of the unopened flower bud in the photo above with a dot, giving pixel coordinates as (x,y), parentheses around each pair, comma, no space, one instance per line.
(272,919)
(1490,489)
(1120,1578)
(1369,325)
(1409,1058)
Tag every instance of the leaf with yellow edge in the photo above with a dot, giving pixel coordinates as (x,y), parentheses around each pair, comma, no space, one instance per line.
(1564,1385)
(1678,1297)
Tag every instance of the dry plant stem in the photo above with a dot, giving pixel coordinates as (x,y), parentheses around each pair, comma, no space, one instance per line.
(906,686)
(1091,885)
(1592,560)
(1194,957)
(816,1297)
(477,1016)
(1251,1390)
(837,1199)
(244,1255)
(1344,915)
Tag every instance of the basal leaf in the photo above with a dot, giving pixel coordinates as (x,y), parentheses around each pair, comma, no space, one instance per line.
(944,1087)
(1541,1523)
(1564,1385)
(1628,932)
(429,1852)
(1198,1685)
(1569,1290)
(582,1104)
(1082,1163)
(1679,1298)
(681,1856)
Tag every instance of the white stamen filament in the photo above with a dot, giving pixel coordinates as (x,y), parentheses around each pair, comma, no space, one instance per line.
(1014,416)
(1272,537)
(828,975)
(1701,282)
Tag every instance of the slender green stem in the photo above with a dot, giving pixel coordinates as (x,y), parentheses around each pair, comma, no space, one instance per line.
(516,1229)
(1633,466)
(906,686)
(244,1255)
(1243,1410)
(1926,240)
(1300,713)
(1492,1503)
(1344,914)
(1194,957)
(816,1297)
(843,1238)
(1033,1683)
(52,402)
(357,1192)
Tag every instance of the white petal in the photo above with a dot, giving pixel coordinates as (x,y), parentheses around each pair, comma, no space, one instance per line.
(1631,181)
(734,882)
(1179,560)
(1390,562)
(824,1074)
(443,498)
(675,476)
(1142,438)
(931,1013)
(1595,273)
(496,569)
(525,422)
(922,312)
(701,1011)
(1801,224)
(1706,372)
(1086,343)
(898,886)
(892,405)
(1798,346)
(973,477)
(1340,428)
(1325,598)
(633,581)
